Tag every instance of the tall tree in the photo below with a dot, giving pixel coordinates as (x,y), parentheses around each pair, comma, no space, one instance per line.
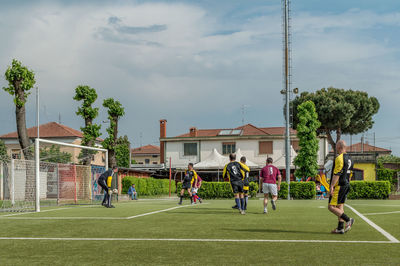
(20,82)
(307,158)
(115,112)
(339,111)
(91,131)
(122,152)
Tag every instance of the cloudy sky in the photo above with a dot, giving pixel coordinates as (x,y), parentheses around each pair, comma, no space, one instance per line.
(196,63)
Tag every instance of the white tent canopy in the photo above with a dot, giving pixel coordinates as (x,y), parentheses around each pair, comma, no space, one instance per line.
(248,162)
(217,161)
(213,161)
(280,162)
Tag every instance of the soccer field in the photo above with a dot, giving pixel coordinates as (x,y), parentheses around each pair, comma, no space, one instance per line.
(161,232)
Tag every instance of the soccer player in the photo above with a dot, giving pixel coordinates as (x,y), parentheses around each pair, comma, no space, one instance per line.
(340,187)
(196,188)
(246,184)
(105,182)
(233,171)
(269,174)
(190,177)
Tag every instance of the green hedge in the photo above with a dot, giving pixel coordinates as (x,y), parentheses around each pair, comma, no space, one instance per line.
(369,190)
(298,190)
(385,174)
(213,190)
(148,186)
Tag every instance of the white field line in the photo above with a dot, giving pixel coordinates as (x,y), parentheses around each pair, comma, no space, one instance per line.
(22,213)
(165,210)
(375,226)
(195,240)
(96,218)
(379,213)
(375,205)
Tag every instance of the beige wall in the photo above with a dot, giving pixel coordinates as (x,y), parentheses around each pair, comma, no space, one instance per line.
(141,159)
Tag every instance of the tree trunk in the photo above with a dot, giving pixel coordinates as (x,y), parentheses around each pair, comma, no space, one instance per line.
(331,141)
(23,137)
(24,142)
(112,160)
(87,154)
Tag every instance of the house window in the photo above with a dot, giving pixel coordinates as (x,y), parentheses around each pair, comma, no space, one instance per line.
(265,147)
(228,147)
(154,156)
(155,163)
(146,161)
(190,149)
(16,154)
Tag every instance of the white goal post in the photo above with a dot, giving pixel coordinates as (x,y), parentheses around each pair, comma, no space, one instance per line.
(37,162)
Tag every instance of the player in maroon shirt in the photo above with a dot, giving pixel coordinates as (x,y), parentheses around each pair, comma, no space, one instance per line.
(269,174)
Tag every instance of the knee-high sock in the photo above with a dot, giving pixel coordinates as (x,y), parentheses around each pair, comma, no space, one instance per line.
(194,198)
(191,199)
(242,203)
(246,198)
(181,198)
(108,199)
(104,198)
(237,200)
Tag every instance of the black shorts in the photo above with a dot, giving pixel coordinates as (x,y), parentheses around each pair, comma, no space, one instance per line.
(339,195)
(186,185)
(237,187)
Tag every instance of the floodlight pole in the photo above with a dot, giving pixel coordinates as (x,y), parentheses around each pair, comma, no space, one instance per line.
(287,91)
(37,157)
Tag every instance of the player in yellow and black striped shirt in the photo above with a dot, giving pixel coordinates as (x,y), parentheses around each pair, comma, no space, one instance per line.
(340,187)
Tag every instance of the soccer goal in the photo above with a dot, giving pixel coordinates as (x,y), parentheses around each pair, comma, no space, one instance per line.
(61,174)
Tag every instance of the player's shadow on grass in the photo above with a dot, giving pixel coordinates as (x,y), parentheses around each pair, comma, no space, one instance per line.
(270,230)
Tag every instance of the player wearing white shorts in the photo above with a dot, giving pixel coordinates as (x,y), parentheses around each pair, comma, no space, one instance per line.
(269,174)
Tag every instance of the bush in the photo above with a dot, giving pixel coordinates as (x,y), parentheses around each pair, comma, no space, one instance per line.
(214,190)
(298,190)
(385,174)
(148,186)
(369,190)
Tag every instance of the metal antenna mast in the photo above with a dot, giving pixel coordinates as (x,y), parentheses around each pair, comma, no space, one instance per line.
(286,81)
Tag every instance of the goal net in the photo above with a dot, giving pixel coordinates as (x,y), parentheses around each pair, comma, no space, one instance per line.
(61,174)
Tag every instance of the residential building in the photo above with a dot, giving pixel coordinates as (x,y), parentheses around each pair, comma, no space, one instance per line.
(148,154)
(256,143)
(365,158)
(56,132)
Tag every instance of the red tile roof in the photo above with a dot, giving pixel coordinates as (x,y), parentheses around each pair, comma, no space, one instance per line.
(49,130)
(367,148)
(248,130)
(148,149)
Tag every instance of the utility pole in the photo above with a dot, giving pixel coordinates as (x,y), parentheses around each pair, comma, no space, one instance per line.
(286,50)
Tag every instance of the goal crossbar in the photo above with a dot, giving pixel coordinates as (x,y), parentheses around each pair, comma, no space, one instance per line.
(37,162)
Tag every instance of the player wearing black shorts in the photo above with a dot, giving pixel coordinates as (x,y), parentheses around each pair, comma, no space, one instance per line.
(190,177)
(340,187)
(233,171)
(246,185)
(105,182)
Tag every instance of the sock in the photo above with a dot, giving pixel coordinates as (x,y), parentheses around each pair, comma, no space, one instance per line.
(181,199)
(340,225)
(242,203)
(238,203)
(345,217)
(195,198)
(191,199)
(246,198)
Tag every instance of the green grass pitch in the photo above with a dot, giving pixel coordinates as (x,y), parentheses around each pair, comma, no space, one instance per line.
(161,232)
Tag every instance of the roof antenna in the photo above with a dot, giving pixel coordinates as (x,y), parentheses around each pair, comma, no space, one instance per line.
(59,118)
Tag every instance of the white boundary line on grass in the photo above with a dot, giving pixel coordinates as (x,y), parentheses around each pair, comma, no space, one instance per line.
(375,226)
(195,240)
(379,213)
(93,218)
(22,213)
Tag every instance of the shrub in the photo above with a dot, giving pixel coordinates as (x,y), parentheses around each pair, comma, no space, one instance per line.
(369,190)
(148,186)
(214,190)
(298,190)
